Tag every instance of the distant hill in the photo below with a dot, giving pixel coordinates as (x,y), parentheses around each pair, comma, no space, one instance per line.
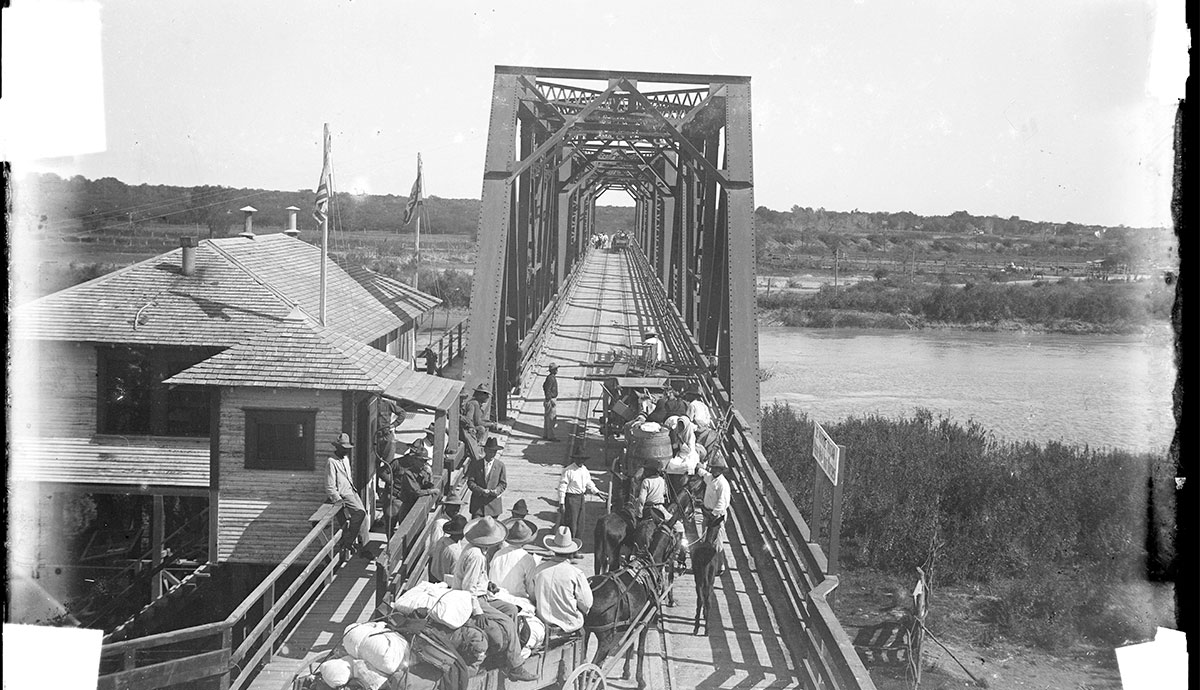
(96,205)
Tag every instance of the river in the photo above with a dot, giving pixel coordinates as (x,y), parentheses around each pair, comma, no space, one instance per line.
(1105,391)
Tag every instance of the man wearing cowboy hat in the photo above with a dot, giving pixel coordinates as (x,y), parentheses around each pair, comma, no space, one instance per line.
(446,551)
(475,414)
(717,496)
(339,486)
(512,563)
(411,481)
(499,618)
(451,506)
(559,590)
(550,403)
(486,480)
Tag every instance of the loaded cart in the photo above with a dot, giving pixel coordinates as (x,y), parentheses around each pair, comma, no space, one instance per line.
(427,639)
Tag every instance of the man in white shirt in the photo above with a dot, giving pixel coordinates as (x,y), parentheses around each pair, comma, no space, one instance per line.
(575,483)
(660,350)
(512,563)
(701,416)
(685,458)
(717,495)
(560,591)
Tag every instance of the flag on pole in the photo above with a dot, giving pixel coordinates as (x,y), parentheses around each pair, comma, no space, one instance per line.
(414,197)
(321,208)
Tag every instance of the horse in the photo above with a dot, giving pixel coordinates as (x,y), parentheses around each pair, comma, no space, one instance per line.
(614,531)
(706,561)
(618,597)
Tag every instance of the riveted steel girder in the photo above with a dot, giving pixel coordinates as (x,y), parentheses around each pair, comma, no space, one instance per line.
(680,146)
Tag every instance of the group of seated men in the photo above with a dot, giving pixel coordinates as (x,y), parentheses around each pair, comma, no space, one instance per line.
(488,558)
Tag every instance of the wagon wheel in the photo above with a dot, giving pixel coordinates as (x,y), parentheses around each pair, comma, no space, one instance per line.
(586,677)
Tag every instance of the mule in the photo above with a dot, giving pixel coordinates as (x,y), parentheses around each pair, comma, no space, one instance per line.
(614,532)
(706,562)
(618,597)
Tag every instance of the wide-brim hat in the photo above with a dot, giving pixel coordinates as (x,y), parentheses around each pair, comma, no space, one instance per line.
(553,366)
(520,531)
(482,389)
(455,525)
(561,541)
(656,463)
(452,501)
(692,388)
(492,442)
(343,441)
(651,332)
(485,531)
(718,461)
(519,509)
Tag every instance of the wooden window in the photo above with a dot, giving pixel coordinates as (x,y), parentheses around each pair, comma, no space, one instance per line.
(132,400)
(280,439)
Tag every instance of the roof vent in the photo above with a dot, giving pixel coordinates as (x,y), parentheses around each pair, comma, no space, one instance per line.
(248,233)
(188,264)
(291,231)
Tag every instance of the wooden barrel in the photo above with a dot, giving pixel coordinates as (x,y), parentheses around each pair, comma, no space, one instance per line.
(644,446)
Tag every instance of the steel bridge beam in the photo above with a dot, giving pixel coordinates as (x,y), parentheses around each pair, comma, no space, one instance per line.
(680,145)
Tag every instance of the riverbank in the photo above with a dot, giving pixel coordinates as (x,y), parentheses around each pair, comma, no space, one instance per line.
(842,318)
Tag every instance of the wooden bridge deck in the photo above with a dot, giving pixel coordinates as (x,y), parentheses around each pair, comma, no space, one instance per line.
(605,311)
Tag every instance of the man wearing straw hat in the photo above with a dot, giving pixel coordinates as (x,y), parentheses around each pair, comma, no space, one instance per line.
(717,496)
(499,618)
(474,418)
(559,590)
(343,494)
(512,563)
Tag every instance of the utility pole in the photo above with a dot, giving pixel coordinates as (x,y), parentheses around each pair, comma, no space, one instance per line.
(837,256)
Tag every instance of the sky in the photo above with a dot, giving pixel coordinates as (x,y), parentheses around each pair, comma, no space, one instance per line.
(1057,111)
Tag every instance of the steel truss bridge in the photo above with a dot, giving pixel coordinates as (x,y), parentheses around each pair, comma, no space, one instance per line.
(680,145)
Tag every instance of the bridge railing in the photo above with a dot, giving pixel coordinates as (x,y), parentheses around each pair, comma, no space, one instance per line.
(449,346)
(776,535)
(229,650)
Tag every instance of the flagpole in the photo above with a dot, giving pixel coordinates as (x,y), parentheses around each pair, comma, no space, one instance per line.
(417,272)
(325,231)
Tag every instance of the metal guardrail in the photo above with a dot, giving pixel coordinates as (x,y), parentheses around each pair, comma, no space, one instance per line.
(227,649)
(782,546)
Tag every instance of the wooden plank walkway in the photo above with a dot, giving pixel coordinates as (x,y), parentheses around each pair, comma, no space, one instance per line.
(604,311)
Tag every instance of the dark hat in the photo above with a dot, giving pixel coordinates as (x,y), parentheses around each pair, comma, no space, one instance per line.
(455,525)
(656,463)
(343,441)
(485,531)
(553,366)
(519,509)
(693,388)
(452,501)
(520,532)
(492,442)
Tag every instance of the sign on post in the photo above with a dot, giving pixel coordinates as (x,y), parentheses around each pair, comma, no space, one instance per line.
(827,453)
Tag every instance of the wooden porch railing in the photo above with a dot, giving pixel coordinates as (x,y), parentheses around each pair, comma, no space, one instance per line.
(449,346)
(228,651)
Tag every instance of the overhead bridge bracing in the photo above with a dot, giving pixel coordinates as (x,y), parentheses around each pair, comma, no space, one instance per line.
(680,146)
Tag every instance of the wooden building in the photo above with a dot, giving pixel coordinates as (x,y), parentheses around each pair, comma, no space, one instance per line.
(91,412)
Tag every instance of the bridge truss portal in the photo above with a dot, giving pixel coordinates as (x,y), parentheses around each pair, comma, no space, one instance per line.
(680,146)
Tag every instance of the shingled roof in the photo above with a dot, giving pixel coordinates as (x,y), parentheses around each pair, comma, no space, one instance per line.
(299,353)
(240,287)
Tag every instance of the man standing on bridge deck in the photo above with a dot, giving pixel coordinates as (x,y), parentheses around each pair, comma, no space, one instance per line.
(573,487)
(550,390)
(487,479)
(717,495)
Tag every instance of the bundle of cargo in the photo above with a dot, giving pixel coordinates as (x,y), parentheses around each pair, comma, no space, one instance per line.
(429,636)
